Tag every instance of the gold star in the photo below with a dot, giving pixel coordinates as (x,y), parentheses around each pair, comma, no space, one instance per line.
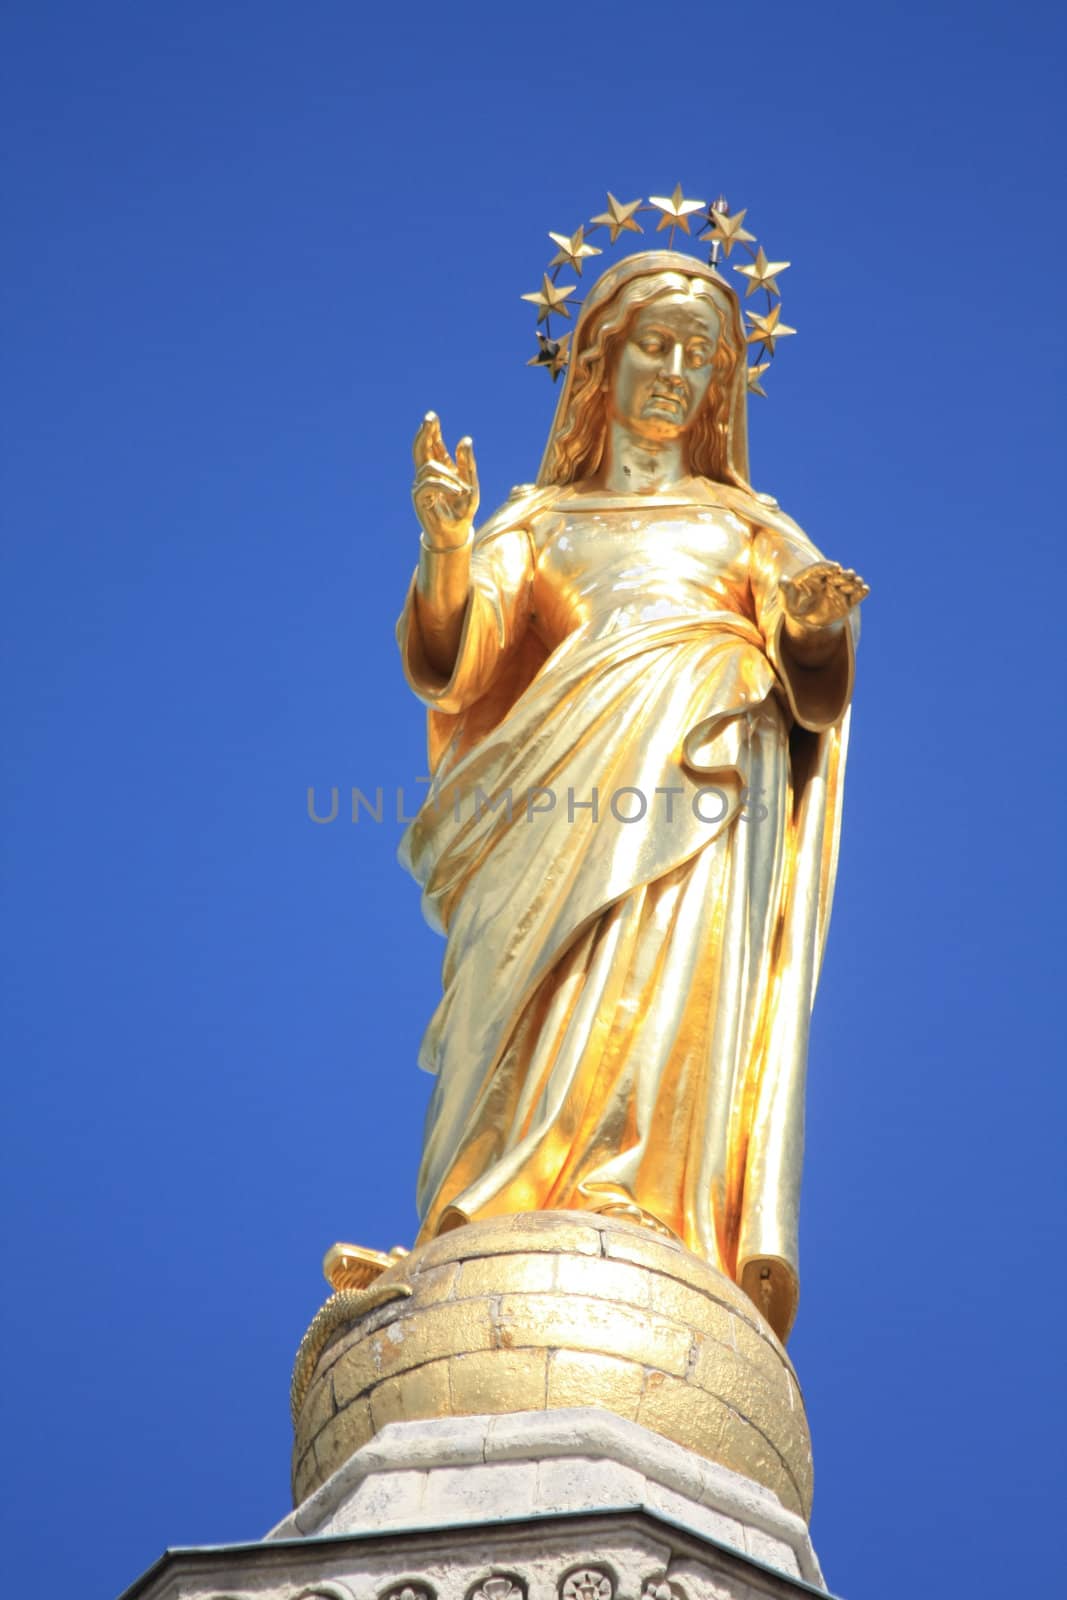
(676,209)
(728,230)
(549,299)
(572,251)
(755,373)
(761,273)
(767,329)
(553,354)
(619,217)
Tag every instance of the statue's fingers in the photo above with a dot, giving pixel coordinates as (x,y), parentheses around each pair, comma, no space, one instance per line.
(435,476)
(423,447)
(435,464)
(440,448)
(465,463)
(429,440)
(470,473)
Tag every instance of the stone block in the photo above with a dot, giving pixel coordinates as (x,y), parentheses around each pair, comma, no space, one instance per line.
(668,1406)
(692,1307)
(679,1509)
(581,1378)
(507,1274)
(492,1381)
(319,1406)
(420,1392)
(577,1483)
(352,1374)
(607,1280)
(383,1500)
(771,1551)
(434,1284)
(480,1494)
(430,1334)
(342,1436)
(580,1322)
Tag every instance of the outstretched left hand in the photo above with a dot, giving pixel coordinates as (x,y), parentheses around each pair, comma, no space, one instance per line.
(822,594)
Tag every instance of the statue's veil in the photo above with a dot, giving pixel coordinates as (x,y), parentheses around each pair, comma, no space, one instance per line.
(613,299)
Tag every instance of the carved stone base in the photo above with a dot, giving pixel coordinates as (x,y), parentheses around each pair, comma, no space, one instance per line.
(537,1464)
(548,1310)
(576,1505)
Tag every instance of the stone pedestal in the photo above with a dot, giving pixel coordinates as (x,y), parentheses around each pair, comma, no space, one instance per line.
(551,1309)
(575,1504)
(553,1406)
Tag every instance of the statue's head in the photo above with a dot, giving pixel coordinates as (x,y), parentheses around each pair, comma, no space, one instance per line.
(659,346)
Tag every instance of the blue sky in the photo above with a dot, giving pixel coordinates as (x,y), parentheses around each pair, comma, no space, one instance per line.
(247,246)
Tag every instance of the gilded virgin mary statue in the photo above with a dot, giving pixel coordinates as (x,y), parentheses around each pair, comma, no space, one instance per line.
(638,674)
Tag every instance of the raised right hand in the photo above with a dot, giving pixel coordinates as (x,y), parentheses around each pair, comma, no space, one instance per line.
(445,492)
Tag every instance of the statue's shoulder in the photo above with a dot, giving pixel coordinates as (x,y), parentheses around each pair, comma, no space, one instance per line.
(745,501)
(520,510)
(762,510)
(753,505)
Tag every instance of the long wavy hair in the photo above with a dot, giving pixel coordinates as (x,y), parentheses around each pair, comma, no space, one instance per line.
(576,449)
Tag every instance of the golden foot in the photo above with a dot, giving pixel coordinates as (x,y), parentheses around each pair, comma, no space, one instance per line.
(629,1212)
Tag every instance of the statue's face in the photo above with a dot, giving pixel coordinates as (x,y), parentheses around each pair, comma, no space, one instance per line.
(664,367)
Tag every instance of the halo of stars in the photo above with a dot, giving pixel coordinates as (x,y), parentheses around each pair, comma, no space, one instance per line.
(717,227)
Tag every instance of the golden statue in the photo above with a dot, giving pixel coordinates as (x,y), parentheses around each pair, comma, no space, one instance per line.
(638,675)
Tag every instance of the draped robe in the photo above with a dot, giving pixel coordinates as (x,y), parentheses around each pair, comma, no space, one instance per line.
(630,844)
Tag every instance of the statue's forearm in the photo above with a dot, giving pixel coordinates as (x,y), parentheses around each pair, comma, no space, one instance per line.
(442,589)
(812,647)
